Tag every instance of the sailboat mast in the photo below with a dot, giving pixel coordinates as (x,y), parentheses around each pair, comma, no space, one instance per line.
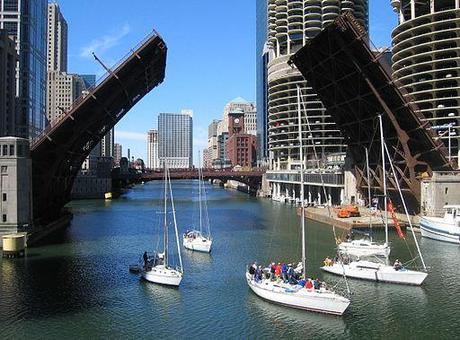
(165,218)
(302,216)
(369,191)
(405,207)
(175,223)
(199,191)
(382,144)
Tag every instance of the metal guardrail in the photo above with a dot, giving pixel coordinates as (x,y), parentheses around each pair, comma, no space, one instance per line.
(91,90)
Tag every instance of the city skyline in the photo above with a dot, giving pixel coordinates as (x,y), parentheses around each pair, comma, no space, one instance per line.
(191,80)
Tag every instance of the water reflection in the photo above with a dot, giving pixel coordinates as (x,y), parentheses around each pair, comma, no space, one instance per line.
(288,322)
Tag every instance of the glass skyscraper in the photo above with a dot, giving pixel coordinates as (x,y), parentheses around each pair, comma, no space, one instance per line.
(26,21)
(261,79)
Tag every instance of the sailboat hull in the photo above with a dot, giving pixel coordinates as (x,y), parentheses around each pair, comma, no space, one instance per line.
(199,243)
(315,300)
(364,248)
(161,275)
(366,270)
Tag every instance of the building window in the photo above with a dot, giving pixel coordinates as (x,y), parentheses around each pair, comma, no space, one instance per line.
(4,169)
(5,150)
(11,150)
(4,218)
(445,191)
(4,197)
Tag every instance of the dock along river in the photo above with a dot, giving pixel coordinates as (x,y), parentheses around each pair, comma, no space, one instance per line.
(78,284)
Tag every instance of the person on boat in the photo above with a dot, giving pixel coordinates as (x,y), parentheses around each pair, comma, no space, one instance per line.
(252,269)
(290,275)
(146,258)
(316,284)
(348,237)
(309,284)
(278,270)
(272,271)
(397,265)
(284,272)
(258,274)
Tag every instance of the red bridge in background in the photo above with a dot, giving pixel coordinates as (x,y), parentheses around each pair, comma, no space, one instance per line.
(252,178)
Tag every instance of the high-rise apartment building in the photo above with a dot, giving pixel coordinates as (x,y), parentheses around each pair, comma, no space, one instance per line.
(57,39)
(153,161)
(25,21)
(426,62)
(8,60)
(117,154)
(290,25)
(206,161)
(175,132)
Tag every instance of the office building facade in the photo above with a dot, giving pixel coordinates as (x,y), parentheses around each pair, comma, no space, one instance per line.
(153,161)
(175,132)
(25,21)
(117,154)
(63,90)
(426,63)
(240,146)
(8,60)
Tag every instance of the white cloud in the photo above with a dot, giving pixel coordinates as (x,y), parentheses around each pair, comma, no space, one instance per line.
(128,135)
(100,45)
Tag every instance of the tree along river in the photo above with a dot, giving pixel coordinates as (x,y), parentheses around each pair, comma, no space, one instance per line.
(78,285)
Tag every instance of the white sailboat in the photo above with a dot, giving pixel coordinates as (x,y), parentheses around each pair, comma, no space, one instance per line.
(379,271)
(365,246)
(196,239)
(322,300)
(156,267)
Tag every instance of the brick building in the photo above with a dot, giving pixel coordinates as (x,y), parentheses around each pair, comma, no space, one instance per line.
(241,146)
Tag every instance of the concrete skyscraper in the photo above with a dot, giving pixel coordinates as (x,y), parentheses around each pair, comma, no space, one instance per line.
(25,21)
(290,25)
(175,133)
(153,161)
(57,39)
(426,62)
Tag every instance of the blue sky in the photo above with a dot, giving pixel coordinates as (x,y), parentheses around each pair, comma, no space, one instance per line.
(211,54)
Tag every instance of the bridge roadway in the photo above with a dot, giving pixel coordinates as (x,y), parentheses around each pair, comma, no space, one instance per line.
(57,154)
(252,178)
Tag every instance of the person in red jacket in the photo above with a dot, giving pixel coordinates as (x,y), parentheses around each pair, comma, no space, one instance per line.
(278,270)
(309,284)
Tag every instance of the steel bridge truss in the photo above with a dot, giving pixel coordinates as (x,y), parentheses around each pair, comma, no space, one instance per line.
(355,88)
(57,155)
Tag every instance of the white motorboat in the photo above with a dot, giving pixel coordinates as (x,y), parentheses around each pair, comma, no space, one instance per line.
(445,228)
(374,271)
(364,247)
(196,239)
(321,300)
(316,300)
(157,268)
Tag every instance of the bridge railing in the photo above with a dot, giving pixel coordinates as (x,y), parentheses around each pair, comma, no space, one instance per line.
(90,90)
